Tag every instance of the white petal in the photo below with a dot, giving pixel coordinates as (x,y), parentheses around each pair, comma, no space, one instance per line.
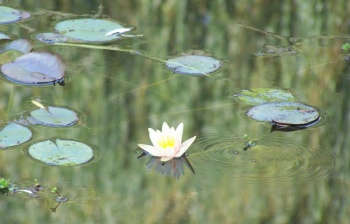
(165,128)
(154,136)
(118,31)
(185,146)
(179,131)
(151,150)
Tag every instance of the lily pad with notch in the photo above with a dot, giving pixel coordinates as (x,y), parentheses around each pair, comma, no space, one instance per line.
(61,152)
(14,134)
(53,116)
(195,64)
(37,68)
(285,114)
(9,15)
(89,30)
(263,95)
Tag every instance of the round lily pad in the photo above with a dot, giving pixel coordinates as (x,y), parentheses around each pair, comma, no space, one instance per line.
(37,68)
(51,38)
(197,65)
(88,30)
(284,113)
(14,134)
(10,15)
(263,95)
(54,116)
(61,152)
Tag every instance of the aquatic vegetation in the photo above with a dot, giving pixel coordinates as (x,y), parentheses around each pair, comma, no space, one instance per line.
(13,134)
(262,95)
(53,116)
(196,63)
(36,68)
(90,30)
(285,115)
(9,15)
(346,47)
(61,152)
(167,144)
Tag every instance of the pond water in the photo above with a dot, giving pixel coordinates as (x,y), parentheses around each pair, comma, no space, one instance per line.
(244,171)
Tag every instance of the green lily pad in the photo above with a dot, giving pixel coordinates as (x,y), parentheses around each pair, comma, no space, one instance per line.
(61,152)
(4,36)
(37,68)
(263,95)
(88,30)
(284,113)
(196,65)
(14,134)
(54,116)
(10,15)
(51,38)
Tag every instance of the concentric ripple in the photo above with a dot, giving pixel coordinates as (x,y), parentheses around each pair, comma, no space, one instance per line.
(277,159)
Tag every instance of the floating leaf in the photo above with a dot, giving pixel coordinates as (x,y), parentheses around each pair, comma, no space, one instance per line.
(4,36)
(10,15)
(263,95)
(284,113)
(89,30)
(35,69)
(51,38)
(61,152)
(22,45)
(53,116)
(14,134)
(197,65)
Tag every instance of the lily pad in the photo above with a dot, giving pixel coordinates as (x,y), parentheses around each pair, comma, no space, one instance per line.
(14,134)
(54,116)
(196,65)
(89,30)
(4,36)
(61,152)
(10,15)
(37,68)
(51,38)
(263,95)
(22,45)
(284,113)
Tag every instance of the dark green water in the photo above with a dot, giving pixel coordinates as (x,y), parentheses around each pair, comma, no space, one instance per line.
(288,177)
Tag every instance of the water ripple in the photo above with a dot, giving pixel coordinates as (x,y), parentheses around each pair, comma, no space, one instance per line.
(277,159)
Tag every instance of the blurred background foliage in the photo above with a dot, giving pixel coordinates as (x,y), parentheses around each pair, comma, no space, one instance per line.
(297,177)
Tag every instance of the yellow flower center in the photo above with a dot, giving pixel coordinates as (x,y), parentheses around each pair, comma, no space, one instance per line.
(166,142)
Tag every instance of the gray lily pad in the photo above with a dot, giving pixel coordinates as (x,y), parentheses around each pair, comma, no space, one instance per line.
(53,116)
(196,65)
(14,134)
(51,38)
(263,95)
(284,113)
(22,45)
(61,152)
(88,30)
(10,15)
(37,68)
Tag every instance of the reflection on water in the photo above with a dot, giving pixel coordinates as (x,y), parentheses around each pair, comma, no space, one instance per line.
(276,159)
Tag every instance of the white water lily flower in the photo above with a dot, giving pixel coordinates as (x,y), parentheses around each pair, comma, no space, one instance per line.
(167,143)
